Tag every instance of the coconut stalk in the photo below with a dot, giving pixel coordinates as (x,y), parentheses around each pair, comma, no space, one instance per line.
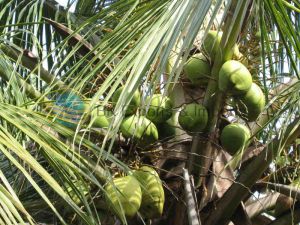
(228,204)
(190,199)
(214,99)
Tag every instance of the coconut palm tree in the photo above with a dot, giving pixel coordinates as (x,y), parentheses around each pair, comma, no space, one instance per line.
(60,67)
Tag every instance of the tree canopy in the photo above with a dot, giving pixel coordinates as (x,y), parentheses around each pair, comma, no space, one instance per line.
(108,89)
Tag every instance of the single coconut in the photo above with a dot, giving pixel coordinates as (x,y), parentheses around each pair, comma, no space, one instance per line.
(153,196)
(234,78)
(140,129)
(68,109)
(160,108)
(101,117)
(134,103)
(211,43)
(234,137)
(86,103)
(124,196)
(197,69)
(250,105)
(193,117)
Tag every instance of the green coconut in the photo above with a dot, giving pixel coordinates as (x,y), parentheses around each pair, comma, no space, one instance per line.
(234,137)
(101,117)
(197,69)
(211,43)
(160,108)
(140,129)
(124,196)
(86,104)
(153,196)
(250,105)
(193,117)
(234,78)
(134,103)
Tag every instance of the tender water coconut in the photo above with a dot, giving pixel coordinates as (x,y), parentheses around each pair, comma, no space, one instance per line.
(250,105)
(211,43)
(234,78)
(153,196)
(160,108)
(134,103)
(234,137)
(68,109)
(124,196)
(141,129)
(101,117)
(197,69)
(193,117)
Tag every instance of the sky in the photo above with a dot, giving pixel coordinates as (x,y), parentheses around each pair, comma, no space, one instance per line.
(64,3)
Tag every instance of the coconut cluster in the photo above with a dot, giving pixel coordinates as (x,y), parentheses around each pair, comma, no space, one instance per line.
(235,80)
(146,122)
(153,121)
(141,126)
(140,191)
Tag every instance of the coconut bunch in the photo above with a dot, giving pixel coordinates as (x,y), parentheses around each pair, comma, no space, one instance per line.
(142,126)
(198,67)
(235,80)
(159,120)
(141,191)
